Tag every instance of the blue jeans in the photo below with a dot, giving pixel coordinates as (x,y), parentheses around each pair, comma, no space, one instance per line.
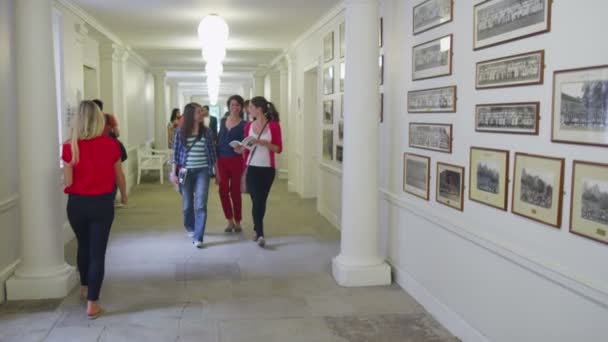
(195,192)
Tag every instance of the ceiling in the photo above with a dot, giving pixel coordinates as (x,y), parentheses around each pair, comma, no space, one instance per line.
(164,32)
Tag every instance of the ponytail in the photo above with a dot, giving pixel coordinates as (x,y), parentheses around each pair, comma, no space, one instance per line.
(272,114)
(269,110)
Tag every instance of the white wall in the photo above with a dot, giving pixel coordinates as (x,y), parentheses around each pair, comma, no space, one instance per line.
(9,222)
(506,277)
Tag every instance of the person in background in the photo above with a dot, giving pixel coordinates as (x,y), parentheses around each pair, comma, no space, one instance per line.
(212,123)
(193,165)
(230,164)
(172,126)
(261,160)
(245,114)
(92,168)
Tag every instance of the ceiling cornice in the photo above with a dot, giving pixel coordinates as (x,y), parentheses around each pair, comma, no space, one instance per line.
(332,13)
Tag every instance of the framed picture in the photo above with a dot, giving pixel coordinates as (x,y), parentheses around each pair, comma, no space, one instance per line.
(381,33)
(432,13)
(328,80)
(340,131)
(328,144)
(580,106)
(519,118)
(430,136)
(589,200)
(432,59)
(416,175)
(435,100)
(342,40)
(328,112)
(538,188)
(342,76)
(339,153)
(450,185)
(342,106)
(381,65)
(381,107)
(488,175)
(328,47)
(501,21)
(512,71)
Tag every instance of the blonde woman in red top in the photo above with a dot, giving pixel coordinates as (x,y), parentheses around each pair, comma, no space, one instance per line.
(92,167)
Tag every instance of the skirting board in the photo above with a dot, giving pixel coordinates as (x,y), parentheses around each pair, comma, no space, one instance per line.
(283,174)
(4,275)
(331,217)
(442,313)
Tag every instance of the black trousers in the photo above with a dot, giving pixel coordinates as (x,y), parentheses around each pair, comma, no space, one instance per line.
(259,181)
(91,219)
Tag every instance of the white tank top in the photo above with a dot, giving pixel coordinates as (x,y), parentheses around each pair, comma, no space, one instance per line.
(261,157)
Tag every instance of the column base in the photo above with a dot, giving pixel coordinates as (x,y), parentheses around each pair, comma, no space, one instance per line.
(57,285)
(360,276)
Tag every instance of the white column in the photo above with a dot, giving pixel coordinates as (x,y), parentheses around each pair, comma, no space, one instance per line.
(42,272)
(113,59)
(293,112)
(173,95)
(259,78)
(161,121)
(359,263)
(283,109)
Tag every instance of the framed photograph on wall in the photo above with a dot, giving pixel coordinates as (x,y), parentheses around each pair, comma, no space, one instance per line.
(450,185)
(342,40)
(416,175)
(339,153)
(580,106)
(381,33)
(488,174)
(432,59)
(381,107)
(517,118)
(538,188)
(342,76)
(381,65)
(328,47)
(328,80)
(340,130)
(328,112)
(430,136)
(432,13)
(589,200)
(501,21)
(435,100)
(328,144)
(511,71)
(342,106)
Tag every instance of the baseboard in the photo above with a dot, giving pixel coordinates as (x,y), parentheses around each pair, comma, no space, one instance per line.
(291,187)
(329,216)
(68,233)
(283,174)
(441,312)
(4,275)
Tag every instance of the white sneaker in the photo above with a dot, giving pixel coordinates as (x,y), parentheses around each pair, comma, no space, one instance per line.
(190,234)
(261,241)
(197,244)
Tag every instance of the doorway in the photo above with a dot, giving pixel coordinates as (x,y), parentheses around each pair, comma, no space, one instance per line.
(308,137)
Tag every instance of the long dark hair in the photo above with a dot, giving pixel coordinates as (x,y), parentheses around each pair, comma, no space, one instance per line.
(188,125)
(174,113)
(267,108)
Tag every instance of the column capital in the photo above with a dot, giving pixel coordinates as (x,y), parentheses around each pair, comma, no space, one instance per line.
(260,73)
(82,32)
(158,72)
(110,50)
(360,2)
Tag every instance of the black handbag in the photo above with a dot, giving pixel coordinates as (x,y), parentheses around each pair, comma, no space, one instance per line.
(123,150)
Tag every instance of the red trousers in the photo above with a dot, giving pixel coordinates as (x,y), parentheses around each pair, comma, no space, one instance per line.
(230,170)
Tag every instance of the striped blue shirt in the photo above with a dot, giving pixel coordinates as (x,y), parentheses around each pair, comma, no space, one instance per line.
(197,157)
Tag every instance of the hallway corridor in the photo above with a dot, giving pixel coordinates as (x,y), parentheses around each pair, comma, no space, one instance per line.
(159,287)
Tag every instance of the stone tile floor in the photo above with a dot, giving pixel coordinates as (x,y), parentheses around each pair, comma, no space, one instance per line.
(158,287)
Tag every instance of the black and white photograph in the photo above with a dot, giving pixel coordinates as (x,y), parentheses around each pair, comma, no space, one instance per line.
(538,188)
(328,47)
(341,130)
(517,118)
(436,100)
(342,40)
(489,169)
(381,68)
(435,137)
(589,201)
(328,112)
(580,106)
(432,13)
(342,76)
(450,185)
(342,106)
(501,21)
(328,80)
(339,153)
(511,71)
(432,59)
(488,176)
(416,174)
(328,144)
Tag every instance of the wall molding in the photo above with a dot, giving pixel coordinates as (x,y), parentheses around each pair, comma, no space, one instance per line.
(283,174)
(4,275)
(9,203)
(331,14)
(331,217)
(331,169)
(586,288)
(446,317)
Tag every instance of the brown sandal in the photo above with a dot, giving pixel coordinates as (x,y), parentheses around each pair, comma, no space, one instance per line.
(95,315)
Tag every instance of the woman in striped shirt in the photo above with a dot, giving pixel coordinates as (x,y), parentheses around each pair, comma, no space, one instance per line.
(194,160)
